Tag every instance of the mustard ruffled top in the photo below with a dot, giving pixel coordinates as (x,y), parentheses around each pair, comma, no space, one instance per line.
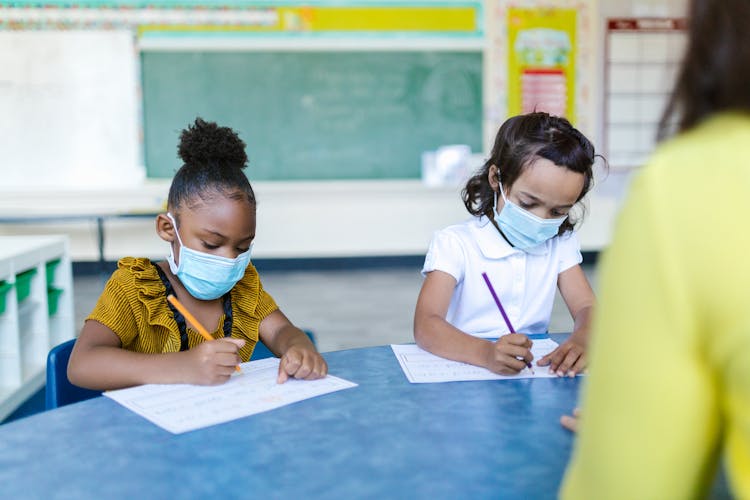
(134,306)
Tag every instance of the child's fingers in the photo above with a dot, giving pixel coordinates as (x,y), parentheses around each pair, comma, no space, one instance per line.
(224,345)
(305,368)
(578,367)
(288,366)
(570,423)
(225,371)
(549,359)
(228,359)
(507,365)
(516,339)
(322,367)
(568,364)
(282,376)
(238,342)
(515,351)
(313,367)
(319,368)
(554,358)
(516,364)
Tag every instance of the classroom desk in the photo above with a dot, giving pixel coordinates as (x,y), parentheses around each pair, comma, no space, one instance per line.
(386,438)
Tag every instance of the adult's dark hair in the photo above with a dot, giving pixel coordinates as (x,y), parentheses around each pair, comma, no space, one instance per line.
(715,71)
(213,159)
(519,141)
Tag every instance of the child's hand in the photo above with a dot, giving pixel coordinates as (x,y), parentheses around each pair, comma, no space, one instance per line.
(571,422)
(301,362)
(568,359)
(213,362)
(509,354)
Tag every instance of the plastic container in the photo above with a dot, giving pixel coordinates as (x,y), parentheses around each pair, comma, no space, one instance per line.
(53,297)
(23,284)
(4,289)
(50,271)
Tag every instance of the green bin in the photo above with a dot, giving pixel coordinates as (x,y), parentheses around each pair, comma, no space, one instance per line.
(53,297)
(51,266)
(23,284)
(4,289)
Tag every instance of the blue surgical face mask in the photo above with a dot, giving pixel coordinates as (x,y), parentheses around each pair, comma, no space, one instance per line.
(523,229)
(204,275)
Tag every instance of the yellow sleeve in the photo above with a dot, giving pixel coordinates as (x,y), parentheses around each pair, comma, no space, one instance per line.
(266,303)
(114,309)
(649,425)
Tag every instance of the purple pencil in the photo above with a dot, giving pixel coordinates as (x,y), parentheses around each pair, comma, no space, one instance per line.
(502,310)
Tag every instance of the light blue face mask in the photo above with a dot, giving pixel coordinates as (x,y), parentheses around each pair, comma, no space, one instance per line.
(204,275)
(523,229)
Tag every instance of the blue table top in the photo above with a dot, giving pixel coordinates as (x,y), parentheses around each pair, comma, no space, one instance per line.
(385,438)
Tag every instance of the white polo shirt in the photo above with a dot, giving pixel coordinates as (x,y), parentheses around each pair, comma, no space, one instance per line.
(525,281)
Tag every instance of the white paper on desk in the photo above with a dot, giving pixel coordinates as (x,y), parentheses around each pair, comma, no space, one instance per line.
(181,407)
(422,367)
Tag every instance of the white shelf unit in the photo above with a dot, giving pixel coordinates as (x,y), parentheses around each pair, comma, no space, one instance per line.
(29,327)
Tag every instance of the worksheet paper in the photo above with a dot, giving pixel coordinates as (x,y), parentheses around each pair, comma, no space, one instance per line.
(422,367)
(180,408)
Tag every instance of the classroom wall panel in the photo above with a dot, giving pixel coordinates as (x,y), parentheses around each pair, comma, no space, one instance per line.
(68,109)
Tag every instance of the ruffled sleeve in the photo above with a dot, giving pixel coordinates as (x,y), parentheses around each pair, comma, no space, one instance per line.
(133,305)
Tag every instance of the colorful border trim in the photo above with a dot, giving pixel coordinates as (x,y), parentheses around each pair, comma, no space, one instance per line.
(462,19)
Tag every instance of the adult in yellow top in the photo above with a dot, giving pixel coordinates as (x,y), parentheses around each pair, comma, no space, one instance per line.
(135,336)
(669,386)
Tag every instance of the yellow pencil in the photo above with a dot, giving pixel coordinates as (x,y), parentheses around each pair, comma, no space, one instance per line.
(178,305)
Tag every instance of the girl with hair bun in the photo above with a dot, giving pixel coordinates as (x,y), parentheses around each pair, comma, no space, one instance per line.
(135,336)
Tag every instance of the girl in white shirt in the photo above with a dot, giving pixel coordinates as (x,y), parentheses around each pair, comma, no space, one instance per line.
(522,237)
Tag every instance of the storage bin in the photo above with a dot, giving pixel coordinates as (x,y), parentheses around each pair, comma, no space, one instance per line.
(53,296)
(50,271)
(23,284)
(4,289)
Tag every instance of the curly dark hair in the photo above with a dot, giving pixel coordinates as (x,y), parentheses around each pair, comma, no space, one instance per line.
(521,139)
(213,161)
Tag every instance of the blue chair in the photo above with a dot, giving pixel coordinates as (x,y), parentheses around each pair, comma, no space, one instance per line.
(262,352)
(59,390)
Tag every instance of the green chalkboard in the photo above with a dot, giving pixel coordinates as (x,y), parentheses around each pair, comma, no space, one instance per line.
(316,115)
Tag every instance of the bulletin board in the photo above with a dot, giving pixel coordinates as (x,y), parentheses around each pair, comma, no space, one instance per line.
(642,56)
(542,61)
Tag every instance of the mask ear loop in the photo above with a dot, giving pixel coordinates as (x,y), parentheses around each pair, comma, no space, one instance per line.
(173,265)
(499,190)
(174,223)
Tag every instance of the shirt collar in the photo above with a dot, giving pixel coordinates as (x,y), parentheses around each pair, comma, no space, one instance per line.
(492,244)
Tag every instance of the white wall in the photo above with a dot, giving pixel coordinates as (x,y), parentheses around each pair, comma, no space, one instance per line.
(69,102)
(295,219)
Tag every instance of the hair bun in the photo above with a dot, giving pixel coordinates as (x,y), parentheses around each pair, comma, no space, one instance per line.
(205,144)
